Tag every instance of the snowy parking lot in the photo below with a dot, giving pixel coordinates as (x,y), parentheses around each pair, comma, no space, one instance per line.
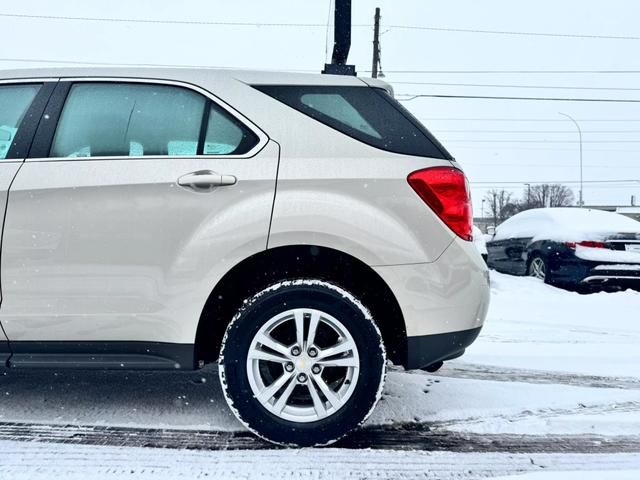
(552,386)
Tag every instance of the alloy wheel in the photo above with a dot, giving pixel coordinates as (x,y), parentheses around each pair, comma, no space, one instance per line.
(303,365)
(537,268)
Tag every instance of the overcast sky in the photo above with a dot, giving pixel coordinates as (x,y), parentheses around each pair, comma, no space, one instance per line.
(533,142)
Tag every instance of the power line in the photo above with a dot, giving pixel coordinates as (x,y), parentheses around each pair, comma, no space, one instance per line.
(548,149)
(549,165)
(326,33)
(540,99)
(111,64)
(515,33)
(166,22)
(572,182)
(551,72)
(81,62)
(535,131)
(319,25)
(500,85)
(503,119)
(119,64)
(591,187)
(540,141)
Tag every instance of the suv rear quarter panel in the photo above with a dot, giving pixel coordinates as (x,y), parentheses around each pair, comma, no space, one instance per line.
(338,192)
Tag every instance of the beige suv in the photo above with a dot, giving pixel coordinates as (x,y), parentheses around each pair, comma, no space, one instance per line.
(300,230)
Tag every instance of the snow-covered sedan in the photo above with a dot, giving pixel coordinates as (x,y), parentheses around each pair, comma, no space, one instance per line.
(569,247)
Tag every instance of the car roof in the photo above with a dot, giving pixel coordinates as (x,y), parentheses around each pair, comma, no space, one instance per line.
(194,75)
(565,224)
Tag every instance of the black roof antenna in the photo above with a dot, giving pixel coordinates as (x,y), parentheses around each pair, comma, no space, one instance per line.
(341,41)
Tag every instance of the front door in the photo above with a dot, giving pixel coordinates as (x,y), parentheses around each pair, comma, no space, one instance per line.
(137,196)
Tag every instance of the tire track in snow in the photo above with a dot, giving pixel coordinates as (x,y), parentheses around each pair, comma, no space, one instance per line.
(546,413)
(502,374)
(397,437)
(74,462)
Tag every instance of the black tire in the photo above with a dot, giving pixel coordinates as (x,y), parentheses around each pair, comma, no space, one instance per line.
(538,259)
(265,305)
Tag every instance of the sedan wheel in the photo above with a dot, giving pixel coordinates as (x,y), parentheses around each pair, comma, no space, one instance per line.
(538,268)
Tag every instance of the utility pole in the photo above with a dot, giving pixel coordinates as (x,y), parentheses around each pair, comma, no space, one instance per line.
(580,197)
(376,44)
(528,185)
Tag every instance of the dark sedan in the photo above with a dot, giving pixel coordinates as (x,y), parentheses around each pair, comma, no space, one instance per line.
(569,247)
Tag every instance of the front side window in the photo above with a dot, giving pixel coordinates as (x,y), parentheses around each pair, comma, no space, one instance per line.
(134,120)
(369,115)
(14,102)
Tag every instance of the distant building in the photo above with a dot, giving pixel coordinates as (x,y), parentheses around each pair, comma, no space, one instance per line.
(483,223)
(631,212)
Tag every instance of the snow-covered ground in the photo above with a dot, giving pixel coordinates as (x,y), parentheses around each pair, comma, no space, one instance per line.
(549,364)
(535,326)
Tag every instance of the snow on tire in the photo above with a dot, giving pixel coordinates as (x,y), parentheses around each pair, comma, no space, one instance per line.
(302,363)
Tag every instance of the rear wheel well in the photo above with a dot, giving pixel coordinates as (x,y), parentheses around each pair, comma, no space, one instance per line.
(300,261)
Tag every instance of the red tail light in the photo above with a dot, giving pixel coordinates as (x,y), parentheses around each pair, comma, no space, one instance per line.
(586,243)
(446,191)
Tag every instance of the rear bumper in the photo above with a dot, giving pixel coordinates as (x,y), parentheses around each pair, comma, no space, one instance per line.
(441,302)
(613,275)
(576,271)
(426,350)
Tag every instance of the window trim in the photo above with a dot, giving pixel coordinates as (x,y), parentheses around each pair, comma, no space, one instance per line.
(44,136)
(27,128)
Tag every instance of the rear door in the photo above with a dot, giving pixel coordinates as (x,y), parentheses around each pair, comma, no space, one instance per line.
(506,255)
(136,194)
(21,104)
(498,255)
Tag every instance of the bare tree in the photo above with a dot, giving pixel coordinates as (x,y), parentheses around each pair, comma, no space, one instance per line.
(548,195)
(501,205)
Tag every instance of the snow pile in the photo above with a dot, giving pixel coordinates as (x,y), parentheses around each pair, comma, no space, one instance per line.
(479,241)
(565,225)
(535,326)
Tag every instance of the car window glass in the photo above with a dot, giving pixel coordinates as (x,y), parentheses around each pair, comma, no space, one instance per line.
(127,119)
(14,102)
(226,136)
(369,115)
(339,108)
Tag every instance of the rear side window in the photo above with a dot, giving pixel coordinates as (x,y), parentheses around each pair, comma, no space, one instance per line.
(14,102)
(227,136)
(131,119)
(369,115)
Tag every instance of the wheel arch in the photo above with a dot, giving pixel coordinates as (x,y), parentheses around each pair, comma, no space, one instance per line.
(299,261)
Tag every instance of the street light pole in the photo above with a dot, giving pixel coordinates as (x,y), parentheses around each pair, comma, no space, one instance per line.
(580,198)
